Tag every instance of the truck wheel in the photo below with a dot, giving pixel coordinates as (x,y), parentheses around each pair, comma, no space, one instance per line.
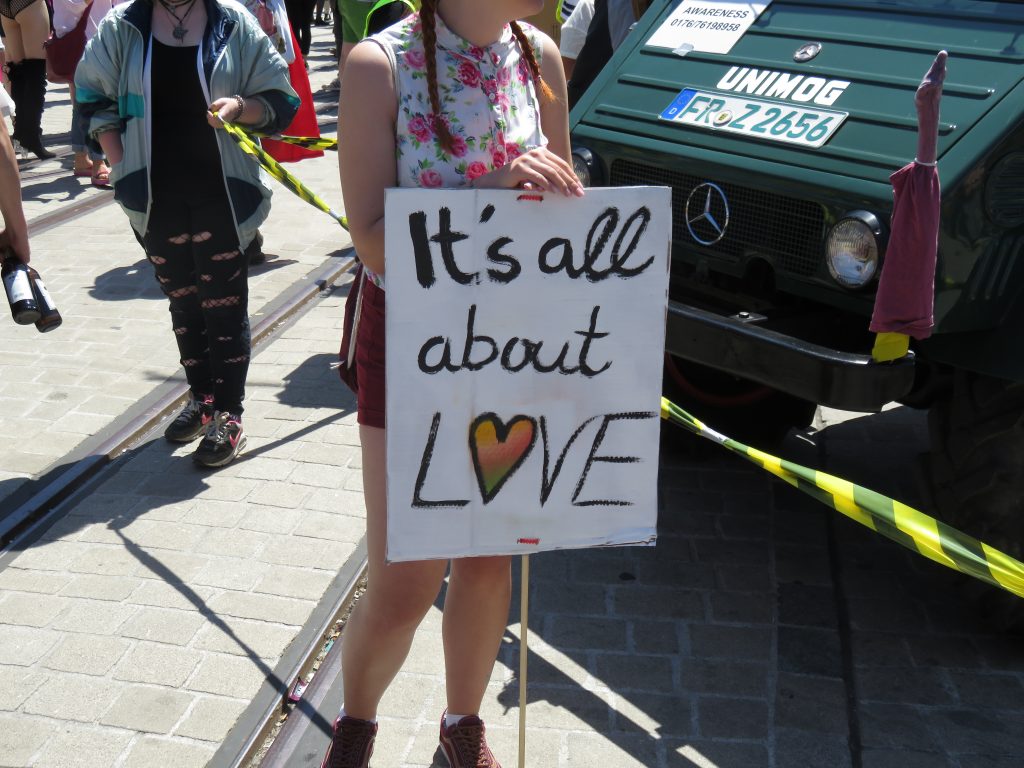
(975,475)
(749,412)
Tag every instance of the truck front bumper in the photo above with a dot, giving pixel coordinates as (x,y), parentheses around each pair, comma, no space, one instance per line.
(812,372)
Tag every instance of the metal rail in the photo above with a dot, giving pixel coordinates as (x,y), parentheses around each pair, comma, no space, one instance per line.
(263,714)
(47,221)
(41,508)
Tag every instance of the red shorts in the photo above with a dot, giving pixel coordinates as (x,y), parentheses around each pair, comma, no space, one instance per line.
(370,357)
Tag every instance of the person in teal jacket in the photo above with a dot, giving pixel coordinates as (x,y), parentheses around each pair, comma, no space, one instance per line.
(154,82)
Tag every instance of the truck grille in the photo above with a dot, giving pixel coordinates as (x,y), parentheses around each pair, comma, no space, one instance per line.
(785,230)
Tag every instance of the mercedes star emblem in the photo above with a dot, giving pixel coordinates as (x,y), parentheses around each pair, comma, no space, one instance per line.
(707,213)
(807,51)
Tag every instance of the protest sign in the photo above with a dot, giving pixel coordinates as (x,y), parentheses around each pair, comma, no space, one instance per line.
(525,341)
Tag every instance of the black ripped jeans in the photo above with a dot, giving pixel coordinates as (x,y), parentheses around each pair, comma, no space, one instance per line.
(193,247)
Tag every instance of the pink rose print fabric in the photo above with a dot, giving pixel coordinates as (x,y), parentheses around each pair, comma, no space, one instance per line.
(487,96)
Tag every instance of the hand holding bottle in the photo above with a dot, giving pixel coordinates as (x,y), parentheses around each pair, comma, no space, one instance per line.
(18,287)
(17,244)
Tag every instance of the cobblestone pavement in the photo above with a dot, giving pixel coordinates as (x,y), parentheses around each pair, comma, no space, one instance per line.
(140,626)
(60,389)
(762,630)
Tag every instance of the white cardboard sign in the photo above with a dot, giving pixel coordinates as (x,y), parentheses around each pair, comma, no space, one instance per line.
(708,26)
(525,341)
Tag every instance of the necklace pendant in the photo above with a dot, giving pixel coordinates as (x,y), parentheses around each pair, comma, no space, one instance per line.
(179,33)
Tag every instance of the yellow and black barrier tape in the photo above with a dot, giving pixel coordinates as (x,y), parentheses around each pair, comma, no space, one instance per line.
(306,142)
(903,524)
(899,522)
(275,169)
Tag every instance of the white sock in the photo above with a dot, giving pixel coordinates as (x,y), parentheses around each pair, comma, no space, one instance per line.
(450,720)
(342,714)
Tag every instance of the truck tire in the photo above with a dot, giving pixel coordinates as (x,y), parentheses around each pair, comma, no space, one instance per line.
(975,475)
(744,410)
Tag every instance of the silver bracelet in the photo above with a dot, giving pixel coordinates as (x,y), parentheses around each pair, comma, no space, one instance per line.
(931,164)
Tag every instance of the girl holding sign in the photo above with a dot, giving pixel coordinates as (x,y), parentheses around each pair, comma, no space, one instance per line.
(457,95)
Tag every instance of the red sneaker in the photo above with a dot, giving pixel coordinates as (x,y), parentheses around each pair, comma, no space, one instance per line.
(465,745)
(351,745)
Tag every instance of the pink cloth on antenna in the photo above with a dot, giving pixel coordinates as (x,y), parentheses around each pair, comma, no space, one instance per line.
(906,288)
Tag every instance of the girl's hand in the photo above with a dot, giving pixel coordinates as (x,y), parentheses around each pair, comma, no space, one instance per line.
(539,169)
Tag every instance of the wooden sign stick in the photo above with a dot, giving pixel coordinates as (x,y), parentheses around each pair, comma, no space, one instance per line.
(524,611)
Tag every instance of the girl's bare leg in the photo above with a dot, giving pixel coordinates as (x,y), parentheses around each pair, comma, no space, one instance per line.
(475,617)
(34,28)
(380,631)
(14,51)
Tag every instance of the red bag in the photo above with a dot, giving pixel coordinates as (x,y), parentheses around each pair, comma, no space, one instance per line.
(64,53)
(304,122)
(347,352)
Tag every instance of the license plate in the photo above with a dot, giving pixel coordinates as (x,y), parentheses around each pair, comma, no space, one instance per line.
(769,120)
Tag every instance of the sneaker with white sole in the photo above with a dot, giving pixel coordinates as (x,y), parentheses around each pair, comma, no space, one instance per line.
(351,744)
(223,441)
(192,421)
(465,745)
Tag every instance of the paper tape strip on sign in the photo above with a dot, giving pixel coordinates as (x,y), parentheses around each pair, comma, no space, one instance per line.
(903,524)
(275,169)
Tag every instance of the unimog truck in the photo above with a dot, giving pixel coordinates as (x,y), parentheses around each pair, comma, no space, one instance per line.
(777,130)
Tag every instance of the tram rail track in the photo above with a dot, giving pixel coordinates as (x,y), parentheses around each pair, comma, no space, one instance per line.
(84,468)
(268,742)
(30,509)
(251,744)
(39,510)
(47,221)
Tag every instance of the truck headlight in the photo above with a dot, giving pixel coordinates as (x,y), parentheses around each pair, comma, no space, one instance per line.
(853,249)
(585,166)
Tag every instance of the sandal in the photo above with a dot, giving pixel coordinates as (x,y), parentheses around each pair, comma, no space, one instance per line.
(101,177)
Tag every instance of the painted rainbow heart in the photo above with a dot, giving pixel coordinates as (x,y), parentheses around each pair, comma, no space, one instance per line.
(498,449)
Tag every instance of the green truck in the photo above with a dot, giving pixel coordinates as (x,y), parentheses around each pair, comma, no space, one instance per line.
(795,117)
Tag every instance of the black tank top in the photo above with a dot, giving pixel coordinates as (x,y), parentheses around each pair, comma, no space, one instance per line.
(185,160)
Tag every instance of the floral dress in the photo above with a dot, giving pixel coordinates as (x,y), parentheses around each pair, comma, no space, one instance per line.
(487,97)
(489,103)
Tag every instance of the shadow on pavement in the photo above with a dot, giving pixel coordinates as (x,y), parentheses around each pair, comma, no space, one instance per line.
(767,629)
(271,262)
(53,190)
(314,384)
(167,576)
(169,480)
(124,283)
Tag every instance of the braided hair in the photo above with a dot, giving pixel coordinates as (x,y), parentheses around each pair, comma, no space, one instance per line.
(428,19)
(531,61)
